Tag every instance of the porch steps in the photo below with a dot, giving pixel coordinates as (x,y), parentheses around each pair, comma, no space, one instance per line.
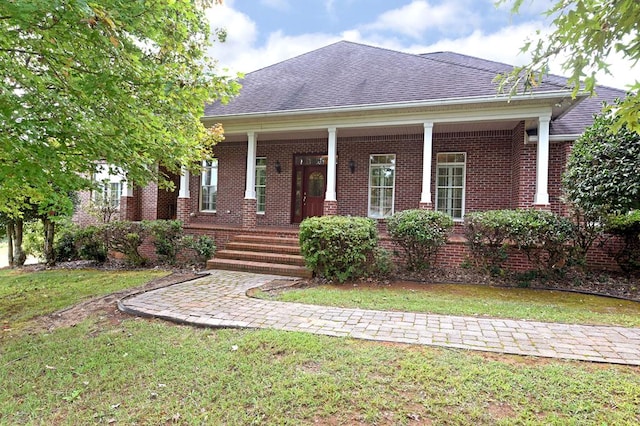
(261,254)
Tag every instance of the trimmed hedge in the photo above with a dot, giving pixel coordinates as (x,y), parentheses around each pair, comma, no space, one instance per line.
(627,227)
(338,247)
(543,237)
(420,234)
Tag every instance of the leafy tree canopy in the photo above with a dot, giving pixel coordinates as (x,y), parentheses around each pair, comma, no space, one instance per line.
(122,81)
(585,32)
(603,171)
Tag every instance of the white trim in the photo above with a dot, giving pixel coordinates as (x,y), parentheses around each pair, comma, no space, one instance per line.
(464,180)
(467,100)
(427,154)
(200,195)
(250,188)
(233,125)
(331,165)
(542,161)
(261,167)
(555,138)
(393,192)
(184,183)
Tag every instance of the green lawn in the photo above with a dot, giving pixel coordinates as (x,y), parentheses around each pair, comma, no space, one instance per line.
(152,372)
(24,296)
(458,299)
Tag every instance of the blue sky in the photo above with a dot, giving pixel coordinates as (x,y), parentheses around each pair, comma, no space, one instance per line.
(264,32)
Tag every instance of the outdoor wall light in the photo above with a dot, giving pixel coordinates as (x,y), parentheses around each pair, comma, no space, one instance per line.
(278,167)
(352,166)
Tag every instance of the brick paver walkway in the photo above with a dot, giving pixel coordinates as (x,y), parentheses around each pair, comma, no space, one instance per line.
(219,300)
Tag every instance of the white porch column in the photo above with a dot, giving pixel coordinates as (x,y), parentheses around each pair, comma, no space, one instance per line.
(250,191)
(184,184)
(542,161)
(331,166)
(427,154)
(127,189)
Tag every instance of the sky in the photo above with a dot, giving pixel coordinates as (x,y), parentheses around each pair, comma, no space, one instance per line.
(263,32)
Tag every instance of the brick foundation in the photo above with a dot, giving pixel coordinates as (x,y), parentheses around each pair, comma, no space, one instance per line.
(330,208)
(249,219)
(426,206)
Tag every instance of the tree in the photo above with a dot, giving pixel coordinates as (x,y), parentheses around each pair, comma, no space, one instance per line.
(585,32)
(603,171)
(123,82)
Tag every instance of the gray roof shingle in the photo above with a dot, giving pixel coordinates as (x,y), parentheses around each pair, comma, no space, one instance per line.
(347,74)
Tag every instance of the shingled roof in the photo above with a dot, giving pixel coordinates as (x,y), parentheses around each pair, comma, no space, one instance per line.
(346,74)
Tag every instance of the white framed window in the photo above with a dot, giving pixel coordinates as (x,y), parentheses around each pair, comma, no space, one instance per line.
(382,182)
(450,183)
(109,185)
(209,185)
(261,184)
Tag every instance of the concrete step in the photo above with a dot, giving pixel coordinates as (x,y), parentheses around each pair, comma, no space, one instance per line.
(267,240)
(259,267)
(240,246)
(264,256)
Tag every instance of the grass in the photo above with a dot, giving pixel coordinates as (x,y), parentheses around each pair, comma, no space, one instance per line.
(25,295)
(476,300)
(150,372)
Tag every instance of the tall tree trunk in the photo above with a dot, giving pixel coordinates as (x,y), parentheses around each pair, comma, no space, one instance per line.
(49,231)
(10,233)
(19,255)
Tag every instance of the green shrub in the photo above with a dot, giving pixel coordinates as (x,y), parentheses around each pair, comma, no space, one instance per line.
(627,227)
(167,235)
(203,246)
(487,235)
(91,244)
(64,246)
(126,237)
(338,247)
(33,239)
(542,236)
(420,234)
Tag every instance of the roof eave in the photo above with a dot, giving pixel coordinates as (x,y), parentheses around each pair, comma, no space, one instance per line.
(460,101)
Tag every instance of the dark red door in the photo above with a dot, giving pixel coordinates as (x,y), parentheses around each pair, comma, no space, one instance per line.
(309,187)
(314,187)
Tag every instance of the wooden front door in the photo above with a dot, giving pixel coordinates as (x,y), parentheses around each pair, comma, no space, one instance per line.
(309,187)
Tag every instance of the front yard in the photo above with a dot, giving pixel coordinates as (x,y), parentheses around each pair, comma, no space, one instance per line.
(123,370)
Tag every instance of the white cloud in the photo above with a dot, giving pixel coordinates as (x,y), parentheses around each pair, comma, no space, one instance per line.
(419,16)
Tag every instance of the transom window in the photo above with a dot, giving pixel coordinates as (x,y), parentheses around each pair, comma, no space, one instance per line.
(382,180)
(450,181)
(261,184)
(209,185)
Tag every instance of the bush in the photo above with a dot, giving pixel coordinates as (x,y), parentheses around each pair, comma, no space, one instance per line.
(543,236)
(420,234)
(627,227)
(167,235)
(487,235)
(126,237)
(338,247)
(203,246)
(90,243)
(64,247)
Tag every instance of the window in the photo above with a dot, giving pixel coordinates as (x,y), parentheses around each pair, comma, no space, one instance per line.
(450,180)
(382,179)
(209,187)
(261,184)
(109,186)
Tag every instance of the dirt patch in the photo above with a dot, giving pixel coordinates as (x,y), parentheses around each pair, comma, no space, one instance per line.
(105,307)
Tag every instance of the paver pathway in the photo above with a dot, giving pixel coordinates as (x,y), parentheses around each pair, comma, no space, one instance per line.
(219,300)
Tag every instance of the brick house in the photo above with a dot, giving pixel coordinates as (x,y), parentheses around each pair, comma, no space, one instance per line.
(357,130)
